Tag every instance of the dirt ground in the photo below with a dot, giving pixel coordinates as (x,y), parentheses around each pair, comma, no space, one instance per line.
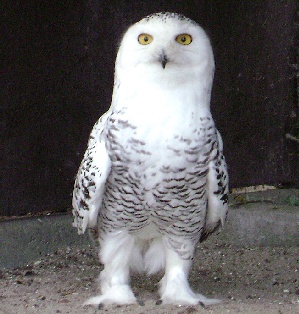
(248,280)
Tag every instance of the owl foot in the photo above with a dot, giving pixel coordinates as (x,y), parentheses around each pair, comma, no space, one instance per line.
(177,291)
(118,295)
(174,286)
(190,299)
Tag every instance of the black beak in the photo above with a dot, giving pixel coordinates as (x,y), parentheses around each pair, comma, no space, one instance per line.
(163,60)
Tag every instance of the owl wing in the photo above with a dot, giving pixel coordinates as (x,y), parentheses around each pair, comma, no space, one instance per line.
(91,178)
(217,192)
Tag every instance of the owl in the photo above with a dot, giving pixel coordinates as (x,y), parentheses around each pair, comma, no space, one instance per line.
(153,181)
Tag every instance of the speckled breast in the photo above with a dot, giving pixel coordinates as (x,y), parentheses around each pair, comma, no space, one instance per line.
(156,180)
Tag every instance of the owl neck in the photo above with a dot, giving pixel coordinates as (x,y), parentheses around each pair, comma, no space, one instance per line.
(169,88)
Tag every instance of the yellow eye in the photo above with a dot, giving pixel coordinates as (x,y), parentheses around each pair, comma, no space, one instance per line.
(145,39)
(184,39)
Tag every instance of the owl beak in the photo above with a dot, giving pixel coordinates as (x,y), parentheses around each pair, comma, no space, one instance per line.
(163,59)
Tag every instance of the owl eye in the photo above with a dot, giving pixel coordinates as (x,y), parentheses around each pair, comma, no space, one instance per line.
(184,39)
(145,39)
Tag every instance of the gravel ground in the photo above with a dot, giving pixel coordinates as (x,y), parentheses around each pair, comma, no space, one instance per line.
(248,280)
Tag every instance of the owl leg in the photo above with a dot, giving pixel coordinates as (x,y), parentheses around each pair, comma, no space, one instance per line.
(115,254)
(174,286)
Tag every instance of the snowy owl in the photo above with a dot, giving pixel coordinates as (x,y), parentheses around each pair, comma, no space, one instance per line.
(153,181)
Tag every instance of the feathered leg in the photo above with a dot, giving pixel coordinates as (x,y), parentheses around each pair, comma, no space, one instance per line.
(174,286)
(116,254)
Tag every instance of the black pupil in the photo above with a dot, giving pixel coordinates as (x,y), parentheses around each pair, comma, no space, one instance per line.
(183,39)
(145,38)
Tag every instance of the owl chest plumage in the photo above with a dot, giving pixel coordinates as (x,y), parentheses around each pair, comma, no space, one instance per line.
(158,174)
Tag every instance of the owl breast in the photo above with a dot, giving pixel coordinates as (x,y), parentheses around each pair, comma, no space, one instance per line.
(156,180)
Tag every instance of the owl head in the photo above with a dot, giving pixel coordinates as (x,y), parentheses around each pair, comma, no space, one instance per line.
(165,43)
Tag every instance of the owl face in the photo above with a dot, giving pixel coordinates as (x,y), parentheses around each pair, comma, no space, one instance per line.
(165,42)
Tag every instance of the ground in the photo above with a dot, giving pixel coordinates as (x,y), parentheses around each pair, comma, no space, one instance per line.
(248,280)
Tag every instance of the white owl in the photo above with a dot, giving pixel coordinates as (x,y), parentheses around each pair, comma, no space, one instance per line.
(153,180)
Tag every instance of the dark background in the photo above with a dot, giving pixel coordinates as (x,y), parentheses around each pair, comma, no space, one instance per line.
(57,76)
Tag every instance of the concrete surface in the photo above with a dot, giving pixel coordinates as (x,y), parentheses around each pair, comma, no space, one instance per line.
(269,218)
(25,240)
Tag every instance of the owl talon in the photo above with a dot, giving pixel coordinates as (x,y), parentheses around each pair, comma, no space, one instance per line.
(118,295)
(201,304)
(100,306)
(159,302)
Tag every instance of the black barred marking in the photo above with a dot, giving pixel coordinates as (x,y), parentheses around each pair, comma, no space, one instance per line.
(141,151)
(186,140)
(83,204)
(126,124)
(198,173)
(136,141)
(205,119)
(162,192)
(176,207)
(166,16)
(192,152)
(86,192)
(176,151)
(224,198)
(175,187)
